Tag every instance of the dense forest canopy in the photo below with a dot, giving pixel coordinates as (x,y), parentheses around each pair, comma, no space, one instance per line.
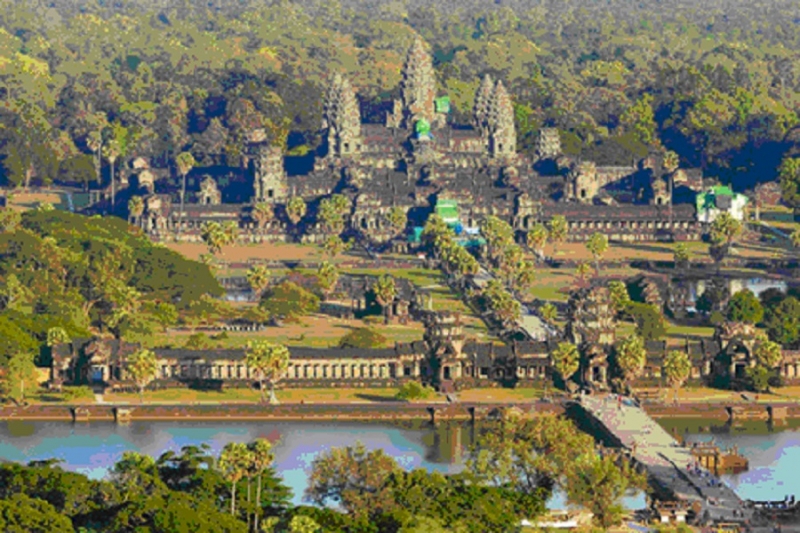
(80,81)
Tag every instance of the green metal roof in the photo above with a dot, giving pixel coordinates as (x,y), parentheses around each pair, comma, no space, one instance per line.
(422,127)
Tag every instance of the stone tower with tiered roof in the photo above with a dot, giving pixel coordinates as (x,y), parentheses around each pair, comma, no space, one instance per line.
(417,90)
(342,118)
(502,134)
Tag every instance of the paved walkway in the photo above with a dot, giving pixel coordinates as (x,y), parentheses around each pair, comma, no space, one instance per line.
(664,458)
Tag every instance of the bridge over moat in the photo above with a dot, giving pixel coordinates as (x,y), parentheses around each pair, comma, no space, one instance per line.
(665,459)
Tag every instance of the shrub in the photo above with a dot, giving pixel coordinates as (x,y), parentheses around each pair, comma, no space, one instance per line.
(363,338)
(198,341)
(221,336)
(289,300)
(78,393)
(413,390)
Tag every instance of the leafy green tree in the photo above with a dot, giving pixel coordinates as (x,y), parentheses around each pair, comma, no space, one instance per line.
(288,300)
(271,361)
(768,354)
(363,338)
(263,458)
(582,271)
(549,313)
(677,369)
(783,324)
(789,174)
(333,246)
(385,292)
(397,219)
(597,246)
(724,231)
(599,483)
(558,230)
(142,366)
(566,360)
(352,477)
(630,356)
(19,375)
(22,514)
(681,255)
(650,322)
(758,377)
(327,277)
(620,299)
(414,391)
(744,306)
(56,336)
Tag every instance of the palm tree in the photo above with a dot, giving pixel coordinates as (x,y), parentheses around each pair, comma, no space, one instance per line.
(327,276)
(233,463)
(258,278)
(397,219)
(262,456)
(94,141)
(111,152)
(537,238)
(597,246)
(185,162)
(263,215)
(558,231)
(671,162)
(135,208)
(385,292)
(796,238)
(296,209)
(270,360)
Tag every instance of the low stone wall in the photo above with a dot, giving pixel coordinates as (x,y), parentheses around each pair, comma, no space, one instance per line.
(388,410)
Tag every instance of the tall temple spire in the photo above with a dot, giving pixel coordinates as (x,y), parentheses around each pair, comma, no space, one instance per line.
(502,134)
(418,87)
(342,118)
(483,97)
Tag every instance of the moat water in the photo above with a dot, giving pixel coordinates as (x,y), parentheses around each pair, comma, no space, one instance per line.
(91,448)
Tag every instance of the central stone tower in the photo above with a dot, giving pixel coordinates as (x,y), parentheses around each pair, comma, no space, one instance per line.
(417,90)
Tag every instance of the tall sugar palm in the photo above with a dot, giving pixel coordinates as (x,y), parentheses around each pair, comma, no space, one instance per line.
(385,291)
(185,163)
(111,151)
(234,461)
(262,456)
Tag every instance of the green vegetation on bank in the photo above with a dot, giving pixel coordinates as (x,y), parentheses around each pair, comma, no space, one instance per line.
(356,490)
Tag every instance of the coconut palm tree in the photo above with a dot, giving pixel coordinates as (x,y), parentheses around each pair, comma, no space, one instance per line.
(296,209)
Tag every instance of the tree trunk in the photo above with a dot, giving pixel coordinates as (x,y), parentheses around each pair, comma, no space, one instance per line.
(233,498)
(183,197)
(273,400)
(258,501)
(248,504)
(113,189)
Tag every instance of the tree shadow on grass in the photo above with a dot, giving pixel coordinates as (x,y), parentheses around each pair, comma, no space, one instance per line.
(50,398)
(375,398)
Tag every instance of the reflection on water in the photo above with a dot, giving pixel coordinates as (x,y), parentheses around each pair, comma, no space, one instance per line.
(91,448)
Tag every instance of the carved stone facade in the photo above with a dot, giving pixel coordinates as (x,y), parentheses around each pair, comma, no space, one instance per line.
(395,165)
(209,193)
(342,118)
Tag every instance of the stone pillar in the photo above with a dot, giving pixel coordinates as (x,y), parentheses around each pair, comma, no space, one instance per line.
(334,371)
(604,374)
(383,372)
(416,371)
(732,370)
(316,371)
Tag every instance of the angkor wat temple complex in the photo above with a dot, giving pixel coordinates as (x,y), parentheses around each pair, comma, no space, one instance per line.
(418,158)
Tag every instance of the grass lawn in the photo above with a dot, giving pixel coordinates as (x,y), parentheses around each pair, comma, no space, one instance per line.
(676,331)
(709,395)
(319,331)
(503,395)
(253,396)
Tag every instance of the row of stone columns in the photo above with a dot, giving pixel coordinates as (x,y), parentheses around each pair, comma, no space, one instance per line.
(345,370)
